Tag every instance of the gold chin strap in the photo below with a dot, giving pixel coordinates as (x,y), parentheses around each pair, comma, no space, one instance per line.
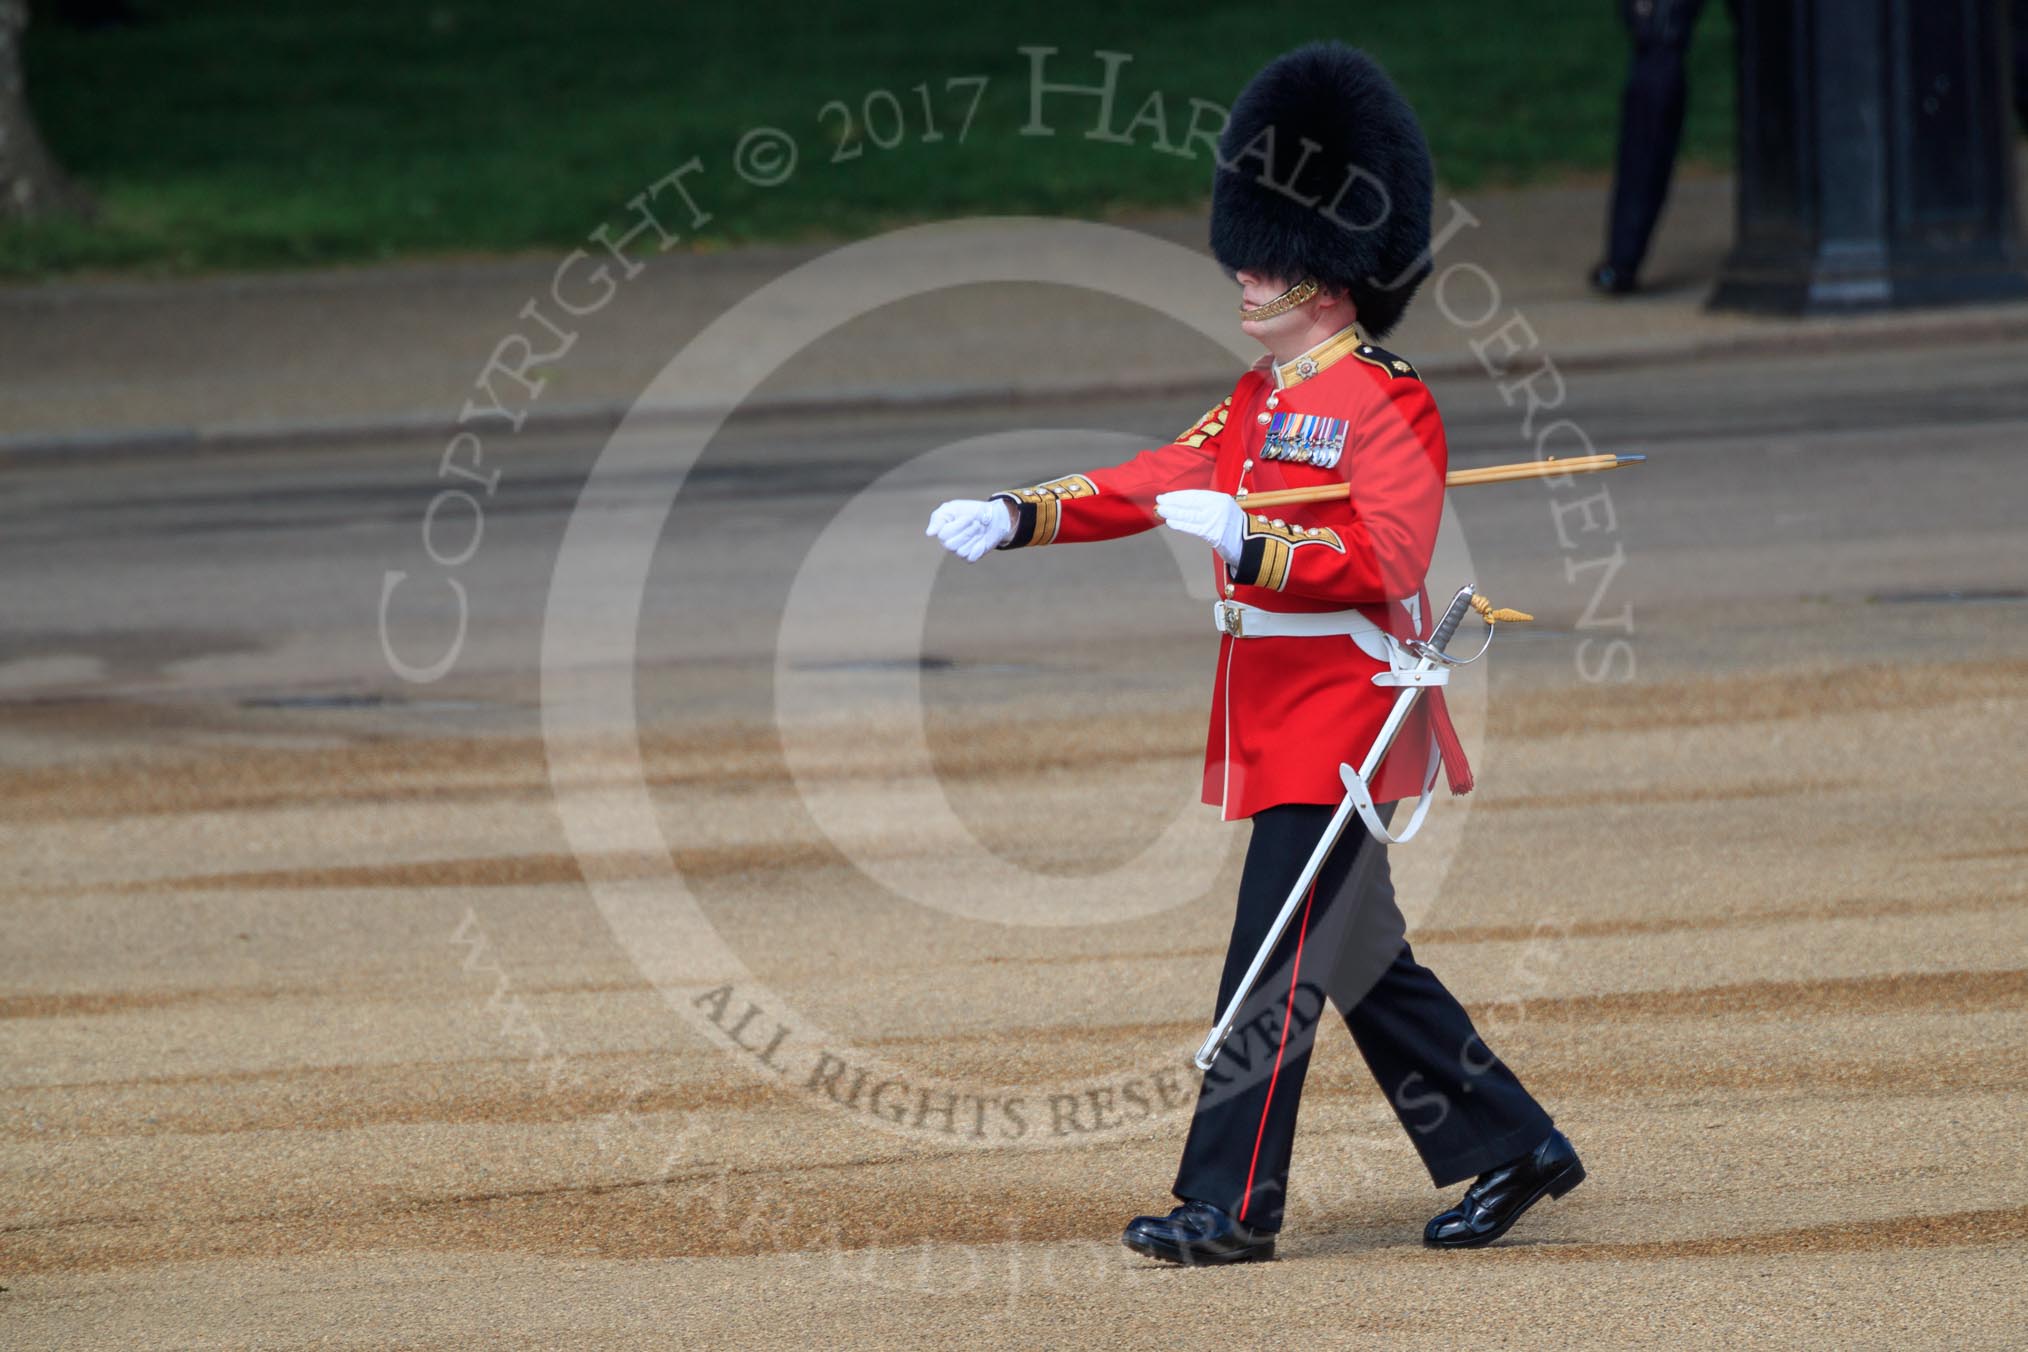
(1282,304)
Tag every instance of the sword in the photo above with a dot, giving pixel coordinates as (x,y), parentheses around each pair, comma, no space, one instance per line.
(1431,657)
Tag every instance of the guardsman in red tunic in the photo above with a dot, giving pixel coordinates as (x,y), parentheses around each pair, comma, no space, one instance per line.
(1321,212)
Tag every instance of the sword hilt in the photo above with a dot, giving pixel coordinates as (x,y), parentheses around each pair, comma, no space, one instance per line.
(1454,616)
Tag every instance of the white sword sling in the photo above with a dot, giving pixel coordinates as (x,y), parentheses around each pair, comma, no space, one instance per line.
(1413,667)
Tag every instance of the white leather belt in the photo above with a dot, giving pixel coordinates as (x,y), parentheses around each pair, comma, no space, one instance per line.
(1241,620)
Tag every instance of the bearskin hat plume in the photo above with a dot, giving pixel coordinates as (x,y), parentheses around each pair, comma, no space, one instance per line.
(1323,172)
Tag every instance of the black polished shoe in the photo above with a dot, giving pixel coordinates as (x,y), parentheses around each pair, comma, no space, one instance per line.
(1608,280)
(1492,1205)
(1197,1233)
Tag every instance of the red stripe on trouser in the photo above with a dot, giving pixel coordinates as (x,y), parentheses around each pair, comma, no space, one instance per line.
(1246,1197)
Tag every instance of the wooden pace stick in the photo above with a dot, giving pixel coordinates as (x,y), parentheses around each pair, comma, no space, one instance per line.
(1532,469)
(1463,478)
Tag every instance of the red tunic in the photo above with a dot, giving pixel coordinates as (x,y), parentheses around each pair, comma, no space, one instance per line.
(1286,711)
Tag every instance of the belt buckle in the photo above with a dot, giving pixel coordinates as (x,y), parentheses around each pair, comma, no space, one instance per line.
(1231,619)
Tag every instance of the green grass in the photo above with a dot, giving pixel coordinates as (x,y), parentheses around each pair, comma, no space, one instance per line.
(231,133)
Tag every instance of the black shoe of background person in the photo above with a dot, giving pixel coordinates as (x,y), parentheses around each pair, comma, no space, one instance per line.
(1492,1205)
(1197,1233)
(1611,281)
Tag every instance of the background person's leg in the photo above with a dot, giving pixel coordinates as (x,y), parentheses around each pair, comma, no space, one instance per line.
(1651,126)
(2021,62)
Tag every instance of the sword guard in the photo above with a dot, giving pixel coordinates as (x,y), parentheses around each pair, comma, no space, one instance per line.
(1431,650)
(1440,674)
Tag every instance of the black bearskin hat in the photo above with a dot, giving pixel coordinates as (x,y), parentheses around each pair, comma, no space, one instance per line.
(1323,172)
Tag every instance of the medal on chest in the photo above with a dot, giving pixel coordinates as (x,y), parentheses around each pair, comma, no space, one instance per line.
(1305,439)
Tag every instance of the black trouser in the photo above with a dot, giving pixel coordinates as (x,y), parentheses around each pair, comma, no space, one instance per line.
(1463,1109)
(1651,124)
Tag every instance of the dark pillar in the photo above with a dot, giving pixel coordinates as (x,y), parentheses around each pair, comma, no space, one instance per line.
(1876,157)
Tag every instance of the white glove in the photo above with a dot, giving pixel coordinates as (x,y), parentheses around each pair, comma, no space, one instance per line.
(969,529)
(1215,518)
